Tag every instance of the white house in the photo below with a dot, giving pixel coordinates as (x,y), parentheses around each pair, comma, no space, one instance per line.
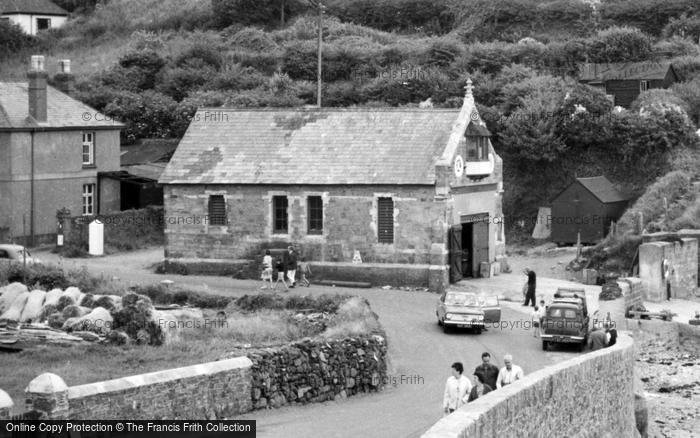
(33,15)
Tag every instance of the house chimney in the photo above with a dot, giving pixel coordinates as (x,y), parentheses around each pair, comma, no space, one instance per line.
(64,79)
(37,89)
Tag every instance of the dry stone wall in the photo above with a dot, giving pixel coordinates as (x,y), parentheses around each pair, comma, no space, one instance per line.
(317,370)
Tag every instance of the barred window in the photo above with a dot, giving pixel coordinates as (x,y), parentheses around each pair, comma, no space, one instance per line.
(385,220)
(217,210)
(315,214)
(279,215)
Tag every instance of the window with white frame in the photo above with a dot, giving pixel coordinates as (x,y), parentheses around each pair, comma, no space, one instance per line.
(643,85)
(88,148)
(88,199)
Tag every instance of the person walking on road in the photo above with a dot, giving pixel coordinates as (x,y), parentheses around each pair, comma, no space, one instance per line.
(279,267)
(457,389)
(267,270)
(479,388)
(291,266)
(304,272)
(531,285)
(488,370)
(509,373)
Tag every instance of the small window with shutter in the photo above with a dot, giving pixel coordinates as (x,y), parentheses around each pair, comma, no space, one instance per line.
(385,219)
(217,210)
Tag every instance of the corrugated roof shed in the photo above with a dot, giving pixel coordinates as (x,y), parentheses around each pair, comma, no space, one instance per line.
(44,7)
(649,70)
(312,146)
(62,110)
(149,150)
(602,189)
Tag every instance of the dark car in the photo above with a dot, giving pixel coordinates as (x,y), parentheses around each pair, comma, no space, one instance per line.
(566,320)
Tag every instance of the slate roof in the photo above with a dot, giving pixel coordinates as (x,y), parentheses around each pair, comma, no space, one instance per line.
(649,70)
(151,150)
(602,189)
(44,7)
(312,146)
(62,110)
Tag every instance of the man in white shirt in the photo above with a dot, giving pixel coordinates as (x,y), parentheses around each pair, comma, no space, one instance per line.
(509,373)
(457,389)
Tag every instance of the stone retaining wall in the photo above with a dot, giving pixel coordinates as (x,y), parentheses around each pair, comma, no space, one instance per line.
(588,396)
(302,372)
(316,371)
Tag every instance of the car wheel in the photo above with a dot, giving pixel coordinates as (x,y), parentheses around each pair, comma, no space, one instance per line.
(545,345)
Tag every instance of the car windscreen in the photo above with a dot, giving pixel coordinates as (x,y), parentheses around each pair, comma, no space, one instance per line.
(460,300)
(558,312)
(489,301)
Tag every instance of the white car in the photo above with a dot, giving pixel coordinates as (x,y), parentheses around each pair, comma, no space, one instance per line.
(16,253)
(460,309)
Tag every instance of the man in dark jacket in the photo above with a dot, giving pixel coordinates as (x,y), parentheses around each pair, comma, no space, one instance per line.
(597,339)
(531,283)
(488,370)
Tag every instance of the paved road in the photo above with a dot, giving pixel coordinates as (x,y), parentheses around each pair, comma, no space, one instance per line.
(418,349)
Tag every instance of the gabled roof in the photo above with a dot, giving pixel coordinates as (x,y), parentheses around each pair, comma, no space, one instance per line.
(44,7)
(602,189)
(313,146)
(62,110)
(649,70)
(150,150)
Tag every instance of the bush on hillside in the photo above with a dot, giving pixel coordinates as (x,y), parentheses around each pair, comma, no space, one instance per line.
(676,47)
(651,16)
(146,115)
(619,44)
(659,100)
(683,27)
(430,16)
(13,38)
(690,93)
(687,67)
(253,38)
(255,12)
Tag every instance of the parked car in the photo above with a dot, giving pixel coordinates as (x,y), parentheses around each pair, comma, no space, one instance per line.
(566,320)
(16,253)
(462,309)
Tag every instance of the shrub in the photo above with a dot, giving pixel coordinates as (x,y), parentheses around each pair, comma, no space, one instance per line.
(648,15)
(683,27)
(254,39)
(146,115)
(104,302)
(13,38)
(619,44)
(88,301)
(690,93)
(687,67)
(676,47)
(178,82)
(431,16)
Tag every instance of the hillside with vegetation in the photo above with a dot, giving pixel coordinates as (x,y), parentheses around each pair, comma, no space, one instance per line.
(151,64)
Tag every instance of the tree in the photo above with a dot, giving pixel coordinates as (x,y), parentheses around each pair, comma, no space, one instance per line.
(619,44)
(690,93)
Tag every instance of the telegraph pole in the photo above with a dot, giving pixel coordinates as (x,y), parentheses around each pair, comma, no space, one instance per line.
(320,45)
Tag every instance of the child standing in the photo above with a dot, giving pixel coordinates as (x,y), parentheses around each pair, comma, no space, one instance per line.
(304,270)
(536,321)
(267,270)
(279,266)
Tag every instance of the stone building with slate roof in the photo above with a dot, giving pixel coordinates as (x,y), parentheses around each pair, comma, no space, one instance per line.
(33,15)
(53,149)
(415,192)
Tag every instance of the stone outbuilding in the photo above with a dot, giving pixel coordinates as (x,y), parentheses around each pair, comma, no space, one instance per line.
(415,192)
(680,251)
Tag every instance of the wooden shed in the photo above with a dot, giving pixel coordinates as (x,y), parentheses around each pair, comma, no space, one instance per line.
(625,81)
(586,206)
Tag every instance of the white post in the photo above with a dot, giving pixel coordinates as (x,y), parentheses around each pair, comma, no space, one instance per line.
(96,238)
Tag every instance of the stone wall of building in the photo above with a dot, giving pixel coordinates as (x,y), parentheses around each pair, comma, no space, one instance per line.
(685,233)
(316,371)
(683,257)
(349,223)
(587,396)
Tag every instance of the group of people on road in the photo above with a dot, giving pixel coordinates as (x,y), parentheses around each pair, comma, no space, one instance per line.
(460,390)
(285,267)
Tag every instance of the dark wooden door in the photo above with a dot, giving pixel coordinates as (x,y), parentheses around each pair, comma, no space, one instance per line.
(481,245)
(455,250)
